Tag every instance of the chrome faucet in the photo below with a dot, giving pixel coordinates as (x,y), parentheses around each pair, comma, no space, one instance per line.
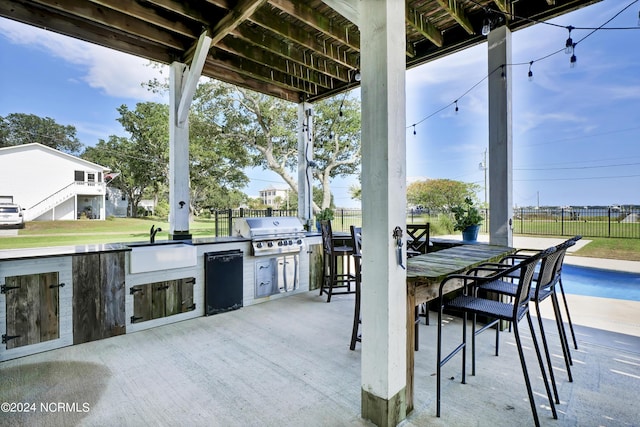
(153,232)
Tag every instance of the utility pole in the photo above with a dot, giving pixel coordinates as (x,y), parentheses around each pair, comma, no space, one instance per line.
(483,166)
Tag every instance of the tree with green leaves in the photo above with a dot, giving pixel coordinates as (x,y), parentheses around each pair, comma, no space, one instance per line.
(268,128)
(440,193)
(143,159)
(19,128)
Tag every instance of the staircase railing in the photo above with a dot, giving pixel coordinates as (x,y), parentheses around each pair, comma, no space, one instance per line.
(59,196)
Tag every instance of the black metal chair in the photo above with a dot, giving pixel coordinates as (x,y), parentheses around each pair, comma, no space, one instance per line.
(469,303)
(545,281)
(333,254)
(356,238)
(418,244)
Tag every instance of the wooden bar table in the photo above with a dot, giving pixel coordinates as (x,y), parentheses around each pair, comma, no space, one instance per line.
(424,274)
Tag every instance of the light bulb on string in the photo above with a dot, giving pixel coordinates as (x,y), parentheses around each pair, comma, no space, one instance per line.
(456,102)
(502,73)
(486,26)
(568,46)
(414,129)
(572,62)
(530,72)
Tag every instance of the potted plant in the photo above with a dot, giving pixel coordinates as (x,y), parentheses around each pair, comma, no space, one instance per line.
(324,214)
(467,219)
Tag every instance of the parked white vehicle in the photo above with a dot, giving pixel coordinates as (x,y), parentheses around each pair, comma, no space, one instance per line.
(11,216)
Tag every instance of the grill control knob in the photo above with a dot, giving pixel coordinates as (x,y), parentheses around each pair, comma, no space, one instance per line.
(280,242)
(270,244)
(259,245)
(299,241)
(290,242)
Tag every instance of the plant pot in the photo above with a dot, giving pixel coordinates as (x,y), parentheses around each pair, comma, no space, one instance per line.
(470,234)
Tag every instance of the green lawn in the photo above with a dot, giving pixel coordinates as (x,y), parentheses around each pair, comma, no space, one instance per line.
(63,233)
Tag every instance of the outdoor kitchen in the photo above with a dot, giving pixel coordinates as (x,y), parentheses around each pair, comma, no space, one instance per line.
(92,292)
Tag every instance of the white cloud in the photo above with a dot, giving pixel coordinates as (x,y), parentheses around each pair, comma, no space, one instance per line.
(114,73)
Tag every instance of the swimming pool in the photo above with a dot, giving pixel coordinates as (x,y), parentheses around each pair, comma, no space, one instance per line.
(596,282)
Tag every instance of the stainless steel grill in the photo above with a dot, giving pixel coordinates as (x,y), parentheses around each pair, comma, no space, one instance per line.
(272,235)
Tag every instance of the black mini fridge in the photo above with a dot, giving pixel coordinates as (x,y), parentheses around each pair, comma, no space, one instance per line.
(223,281)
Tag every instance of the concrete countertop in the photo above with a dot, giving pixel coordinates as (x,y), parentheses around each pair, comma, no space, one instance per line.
(42,252)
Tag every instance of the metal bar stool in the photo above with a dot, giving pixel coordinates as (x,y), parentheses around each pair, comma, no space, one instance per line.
(333,279)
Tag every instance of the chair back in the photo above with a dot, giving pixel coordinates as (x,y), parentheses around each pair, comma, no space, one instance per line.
(527,270)
(327,236)
(356,241)
(417,238)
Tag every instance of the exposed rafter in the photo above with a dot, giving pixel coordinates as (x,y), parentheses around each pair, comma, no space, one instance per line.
(292,49)
(458,13)
(235,17)
(423,26)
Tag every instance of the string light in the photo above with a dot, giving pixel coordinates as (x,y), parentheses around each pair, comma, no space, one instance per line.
(502,73)
(568,46)
(572,62)
(573,59)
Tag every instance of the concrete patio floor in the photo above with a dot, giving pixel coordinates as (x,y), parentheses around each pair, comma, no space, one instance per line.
(287,363)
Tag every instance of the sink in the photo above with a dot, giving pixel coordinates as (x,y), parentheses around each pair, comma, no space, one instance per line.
(161,257)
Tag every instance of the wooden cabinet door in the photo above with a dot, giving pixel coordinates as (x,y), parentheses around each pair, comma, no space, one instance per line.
(98,296)
(33,309)
(162,299)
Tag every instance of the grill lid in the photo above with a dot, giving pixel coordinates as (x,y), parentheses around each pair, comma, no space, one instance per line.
(268,227)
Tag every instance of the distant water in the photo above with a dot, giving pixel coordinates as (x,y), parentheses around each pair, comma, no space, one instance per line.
(596,282)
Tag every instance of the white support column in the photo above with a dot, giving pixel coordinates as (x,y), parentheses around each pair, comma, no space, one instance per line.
(305,160)
(384,308)
(500,137)
(178,158)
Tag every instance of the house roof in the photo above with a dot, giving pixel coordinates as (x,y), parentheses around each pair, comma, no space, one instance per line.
(292,49)
(53,151)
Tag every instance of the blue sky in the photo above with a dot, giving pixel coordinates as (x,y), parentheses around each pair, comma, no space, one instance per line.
(576,131)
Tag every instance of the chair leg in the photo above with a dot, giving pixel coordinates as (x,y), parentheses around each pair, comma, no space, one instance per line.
(416,325)
(356,320)
(547,355)
(566,308)
(541,364)
(516,333)
(439,355)
(562,334)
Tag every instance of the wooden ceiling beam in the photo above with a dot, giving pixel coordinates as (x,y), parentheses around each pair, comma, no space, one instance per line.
(342,55)
(235,17)
(423,26)
(345,34)
(259,72)
(239,48)
(92,13)
(457,12)
(291,52)
(35,15)
(149,15)
(219,71)
(503,5)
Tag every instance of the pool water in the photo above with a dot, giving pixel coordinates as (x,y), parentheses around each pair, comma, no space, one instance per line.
(596,282)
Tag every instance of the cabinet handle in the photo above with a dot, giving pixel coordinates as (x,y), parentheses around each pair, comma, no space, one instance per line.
(134,319)
(191,307)
(59,285)
(132,291)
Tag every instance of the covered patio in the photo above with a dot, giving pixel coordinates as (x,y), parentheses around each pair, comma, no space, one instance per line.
(287,363)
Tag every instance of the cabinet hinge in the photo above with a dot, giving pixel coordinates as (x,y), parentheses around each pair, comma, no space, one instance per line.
(5,288)
(6,338)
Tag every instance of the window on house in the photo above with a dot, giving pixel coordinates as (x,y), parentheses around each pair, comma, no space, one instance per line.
(79,176)
(99,176)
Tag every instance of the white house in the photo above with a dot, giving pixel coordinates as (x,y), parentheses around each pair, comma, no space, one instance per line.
(50,184)
(275,197)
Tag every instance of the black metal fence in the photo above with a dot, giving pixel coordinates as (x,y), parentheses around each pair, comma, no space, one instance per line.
(616,222)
